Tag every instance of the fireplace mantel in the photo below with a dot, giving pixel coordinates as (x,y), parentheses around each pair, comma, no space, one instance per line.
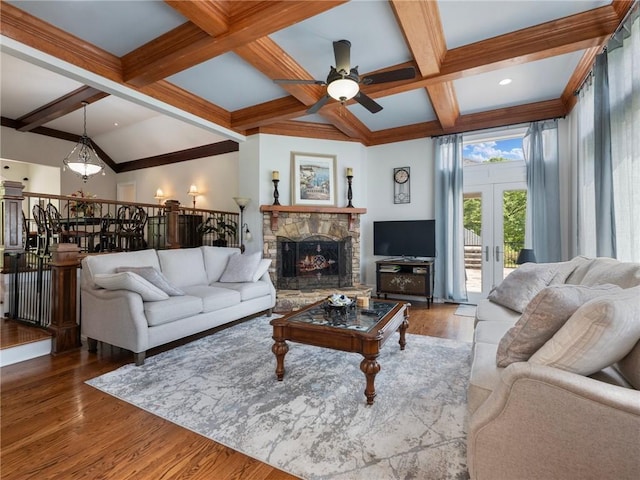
(275,211)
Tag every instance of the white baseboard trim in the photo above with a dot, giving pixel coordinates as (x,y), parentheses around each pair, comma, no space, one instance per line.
(20,353)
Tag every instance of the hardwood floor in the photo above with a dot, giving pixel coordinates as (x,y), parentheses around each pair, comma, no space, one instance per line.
(56,427)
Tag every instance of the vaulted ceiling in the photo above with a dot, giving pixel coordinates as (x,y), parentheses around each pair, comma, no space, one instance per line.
(216,61)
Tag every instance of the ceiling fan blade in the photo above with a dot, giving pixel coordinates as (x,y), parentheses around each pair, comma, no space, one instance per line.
(289,81)
(342,52)
(391,76)
(367,102)
(319,104)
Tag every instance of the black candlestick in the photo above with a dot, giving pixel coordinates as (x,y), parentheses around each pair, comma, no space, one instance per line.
(349,192)
(276,195)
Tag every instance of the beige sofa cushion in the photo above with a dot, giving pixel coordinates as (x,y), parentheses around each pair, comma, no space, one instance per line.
(487,310)
(183,267)
(629,366)
(485,375)
(172,309)
(598,334)
(215,260)
(132,282)
(606,270)
(543,317)
(521,285)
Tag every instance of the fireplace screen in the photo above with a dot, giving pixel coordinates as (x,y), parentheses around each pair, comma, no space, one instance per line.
(314,263)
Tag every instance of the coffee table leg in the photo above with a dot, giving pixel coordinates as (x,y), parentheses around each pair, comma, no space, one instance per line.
(280,349)
(370,367)
(403,329)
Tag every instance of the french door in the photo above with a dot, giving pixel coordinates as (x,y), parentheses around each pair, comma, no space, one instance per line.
(494,234)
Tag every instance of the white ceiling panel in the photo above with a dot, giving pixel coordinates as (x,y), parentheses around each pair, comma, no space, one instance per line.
(531,82)
(397,110)
(21,86)
(370,26)
(469,21)
(115,26)
(154,136)
(229,82)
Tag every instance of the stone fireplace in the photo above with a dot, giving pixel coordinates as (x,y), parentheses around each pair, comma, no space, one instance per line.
(315,251)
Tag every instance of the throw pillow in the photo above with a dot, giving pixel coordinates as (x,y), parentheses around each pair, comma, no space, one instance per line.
(598,334)
(155,277)
(130,281)
(543,317)
(263,266)
(240,268)
(521,285)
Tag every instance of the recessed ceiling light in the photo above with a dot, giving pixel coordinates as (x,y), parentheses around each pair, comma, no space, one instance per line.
(505,81)
(115,124)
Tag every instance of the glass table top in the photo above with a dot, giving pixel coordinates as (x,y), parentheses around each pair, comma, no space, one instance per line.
(346,318)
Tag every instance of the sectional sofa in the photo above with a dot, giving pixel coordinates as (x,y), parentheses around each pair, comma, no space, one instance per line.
(143,299)
(553,391)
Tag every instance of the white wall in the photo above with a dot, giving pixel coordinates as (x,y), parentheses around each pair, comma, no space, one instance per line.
(417,154)
(42,150)
(216,178)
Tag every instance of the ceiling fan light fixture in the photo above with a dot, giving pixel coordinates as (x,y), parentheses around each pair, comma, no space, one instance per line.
(343,89)
(83,159)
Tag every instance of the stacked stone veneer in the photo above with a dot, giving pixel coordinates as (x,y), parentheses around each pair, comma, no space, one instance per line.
(298,226)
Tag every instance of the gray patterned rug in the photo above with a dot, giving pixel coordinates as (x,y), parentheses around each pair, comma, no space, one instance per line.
(315,424)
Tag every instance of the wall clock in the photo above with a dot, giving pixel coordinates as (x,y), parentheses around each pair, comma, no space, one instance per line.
(402,185)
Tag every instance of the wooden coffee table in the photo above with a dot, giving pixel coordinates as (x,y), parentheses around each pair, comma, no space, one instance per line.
(362,331)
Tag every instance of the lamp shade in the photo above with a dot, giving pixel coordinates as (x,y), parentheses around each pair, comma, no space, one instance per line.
(242,201)
(343,89)
(526,255)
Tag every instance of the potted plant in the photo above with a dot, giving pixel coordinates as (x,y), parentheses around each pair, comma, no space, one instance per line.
(221,227)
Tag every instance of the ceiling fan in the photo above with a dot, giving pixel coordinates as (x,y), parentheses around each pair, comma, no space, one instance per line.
(343,82)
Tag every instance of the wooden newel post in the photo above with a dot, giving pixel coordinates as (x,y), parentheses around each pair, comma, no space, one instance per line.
(65,261)
(172,210)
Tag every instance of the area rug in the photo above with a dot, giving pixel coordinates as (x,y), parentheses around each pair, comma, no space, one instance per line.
(466,311)
(315,424)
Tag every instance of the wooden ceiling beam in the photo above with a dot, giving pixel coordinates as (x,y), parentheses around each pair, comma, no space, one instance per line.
(345,121)
(575,32)
(578,77)
(210,16)
(422,28)
(445,103)
(321,131)
(274,111)
(183,48)
(180,98)
(60,107)
(266,56)
(30,30)
(203,151)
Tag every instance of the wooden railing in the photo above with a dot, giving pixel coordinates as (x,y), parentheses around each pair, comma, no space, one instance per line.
(44,237)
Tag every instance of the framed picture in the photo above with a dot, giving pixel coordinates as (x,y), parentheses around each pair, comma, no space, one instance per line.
(313,179)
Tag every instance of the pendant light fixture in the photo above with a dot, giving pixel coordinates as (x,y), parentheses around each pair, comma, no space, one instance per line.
(83,159)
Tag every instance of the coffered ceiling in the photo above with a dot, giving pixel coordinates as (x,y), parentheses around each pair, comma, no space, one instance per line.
(204,70)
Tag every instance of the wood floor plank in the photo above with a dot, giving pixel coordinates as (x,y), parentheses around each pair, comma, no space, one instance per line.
(54,426)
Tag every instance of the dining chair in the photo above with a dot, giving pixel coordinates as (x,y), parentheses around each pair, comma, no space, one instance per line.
(68,235)
(130,224)
(44,235)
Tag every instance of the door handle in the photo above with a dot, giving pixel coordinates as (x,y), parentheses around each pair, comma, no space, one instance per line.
(497,253)
(486,252)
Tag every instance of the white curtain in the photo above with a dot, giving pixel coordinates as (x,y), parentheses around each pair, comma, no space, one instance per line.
(540,148)
(624,99)
(450,284)
(585,191)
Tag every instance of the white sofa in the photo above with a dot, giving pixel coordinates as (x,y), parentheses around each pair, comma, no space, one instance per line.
(209,286)
(536,420)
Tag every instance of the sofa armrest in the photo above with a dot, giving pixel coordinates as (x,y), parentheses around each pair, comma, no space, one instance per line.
(543,422)
(115,317)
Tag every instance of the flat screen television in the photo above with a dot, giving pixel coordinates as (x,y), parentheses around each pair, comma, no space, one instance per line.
(405,238)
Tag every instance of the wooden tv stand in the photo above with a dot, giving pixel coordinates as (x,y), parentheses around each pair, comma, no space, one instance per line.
(405,277)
